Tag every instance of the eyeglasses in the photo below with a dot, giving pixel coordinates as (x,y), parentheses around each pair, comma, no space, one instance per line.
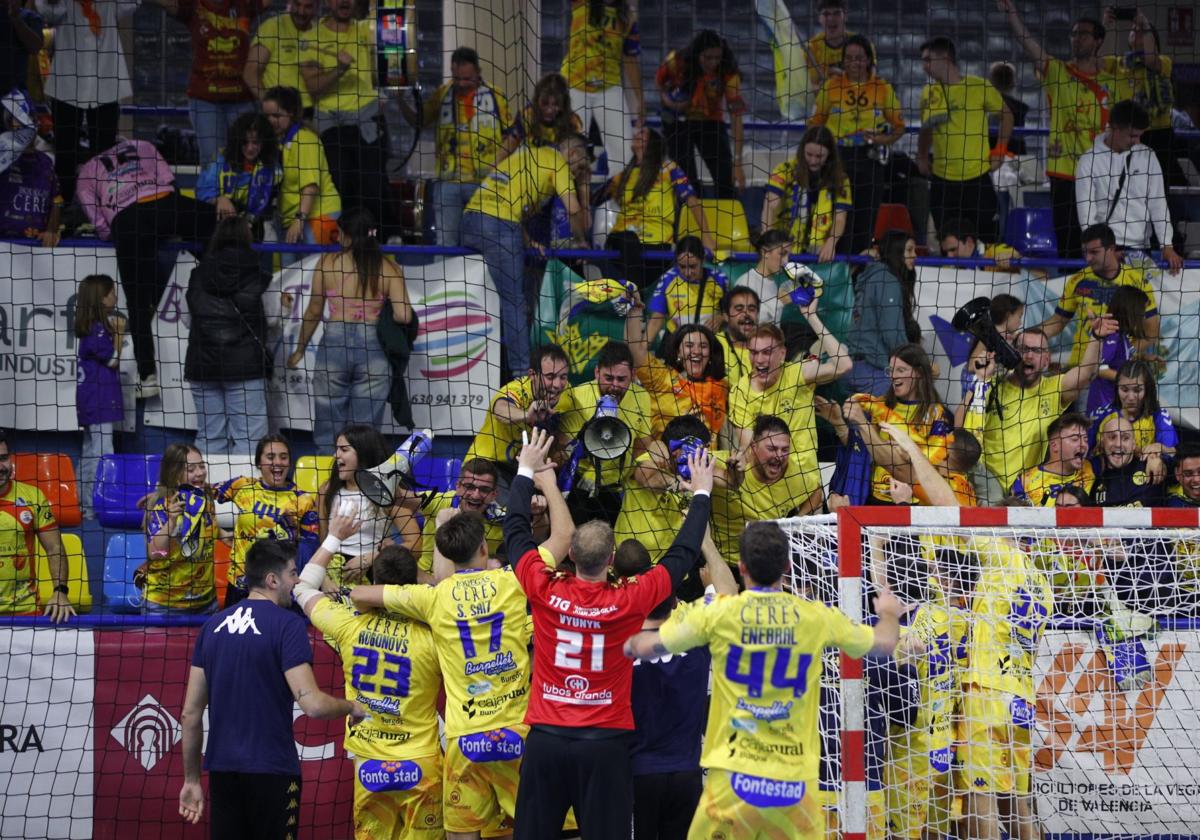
(1025,349)
(483,489)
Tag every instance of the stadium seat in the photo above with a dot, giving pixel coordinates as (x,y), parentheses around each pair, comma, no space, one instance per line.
(727,219)
(1031,231)
(892,217)
(121,481)
(221,569)
(125,552)
(312,471)
(437,473)
(53,474)
(78,588)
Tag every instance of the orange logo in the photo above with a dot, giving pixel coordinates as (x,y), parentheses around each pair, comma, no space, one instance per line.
(1084,710)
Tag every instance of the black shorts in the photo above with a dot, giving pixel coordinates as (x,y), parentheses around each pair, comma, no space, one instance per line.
(254,806)
(664,804)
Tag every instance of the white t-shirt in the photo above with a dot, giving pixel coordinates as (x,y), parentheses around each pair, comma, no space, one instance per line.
(376,525)
(89,67)
(770,308)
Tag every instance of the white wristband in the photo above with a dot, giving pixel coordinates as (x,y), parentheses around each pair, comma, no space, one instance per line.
(525,471)
(332,544)
(313,574)
(696,493)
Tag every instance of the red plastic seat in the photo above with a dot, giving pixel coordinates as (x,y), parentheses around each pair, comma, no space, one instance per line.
(53,474)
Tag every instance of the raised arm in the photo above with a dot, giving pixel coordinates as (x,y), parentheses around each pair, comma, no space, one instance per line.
(342,525)
(685,550)
(562,527)
(716,572)
(837,362)
(518,530)
(1079,377)
(1032,47)
(635,332)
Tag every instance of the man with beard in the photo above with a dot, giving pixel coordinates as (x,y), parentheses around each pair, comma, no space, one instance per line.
(596,493)
(740,307)
(1121,476)
(1065,464)
(1186,490)
(274,59)
(1022,405)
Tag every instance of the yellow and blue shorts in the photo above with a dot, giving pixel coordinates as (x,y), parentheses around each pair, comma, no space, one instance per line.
(398,800)
(917,781)
(737,806)
(482,773)
(997,751)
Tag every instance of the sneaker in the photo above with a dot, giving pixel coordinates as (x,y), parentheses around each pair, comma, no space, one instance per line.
(147,387)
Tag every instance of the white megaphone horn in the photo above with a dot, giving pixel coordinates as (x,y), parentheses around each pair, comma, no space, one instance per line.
(606,438)
(379,483)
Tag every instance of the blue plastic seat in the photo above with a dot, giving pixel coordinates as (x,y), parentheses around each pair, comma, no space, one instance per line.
(1031,231)
(121,481)
(436,473)
(124,553)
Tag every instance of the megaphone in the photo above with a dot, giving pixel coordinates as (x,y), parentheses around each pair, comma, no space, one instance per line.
(379,483)
(605,437)
(975,317)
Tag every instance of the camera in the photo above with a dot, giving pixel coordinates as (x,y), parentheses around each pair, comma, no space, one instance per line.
(975,317)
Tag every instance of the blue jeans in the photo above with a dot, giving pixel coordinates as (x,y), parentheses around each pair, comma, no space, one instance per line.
(232,416)
(211,121)
(449,199)
(97,441)
(865,378)
(351,380)
(503,247)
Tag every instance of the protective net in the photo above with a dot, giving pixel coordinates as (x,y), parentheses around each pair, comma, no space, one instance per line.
(1054,659)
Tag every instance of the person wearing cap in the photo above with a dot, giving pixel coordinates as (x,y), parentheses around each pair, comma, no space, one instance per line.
(30,202)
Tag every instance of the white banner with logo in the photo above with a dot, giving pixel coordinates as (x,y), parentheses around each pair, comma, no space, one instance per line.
(1118,762)
(46,752)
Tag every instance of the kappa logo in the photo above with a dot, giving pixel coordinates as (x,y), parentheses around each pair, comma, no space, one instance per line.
(148,732)
(1078,684)
(239,621)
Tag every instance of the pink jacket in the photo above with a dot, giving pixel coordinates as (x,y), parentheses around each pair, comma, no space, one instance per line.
(130,171)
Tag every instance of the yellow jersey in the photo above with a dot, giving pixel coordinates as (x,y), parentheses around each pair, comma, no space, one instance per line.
(790,399)
(958,114)
(1078,109)
(497,440)
(806,215)
(944,634)
(652,517)
(652,216)
(848,109)
(175,581)
(756,500)
(819,56)
(355,89)
(279,36)
(302,158)
(521,183)
(1152,90)
(737,359)
(1041,487)
(595,52)
(481,630)
(1014,436)
(578,405)
(390,668)
(468,131)
(932,435)
(24,513)
(265,512)
(675,395)
(1010,608)
(767,651)
(493,531)
(1087,295)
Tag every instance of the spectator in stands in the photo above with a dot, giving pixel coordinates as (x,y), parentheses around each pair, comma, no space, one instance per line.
(1019,408)
(1152,88)
(739,316)
(475,492)
(98,401)
(228,362)
(1079,92)
(274,57)
(1118,183)
(267,507)
(523,404)
(217,93)
(649,193)
(351,374)
(492,224)
(863,113)
(767,278)
(88,79)
(885,313)
(1185,492)
(30,201)
(20,39)
(547,118)
(1003,77)
(338,67)
(1088,293)
(954,112)
(309,204)
(181,534)
(603,50)
(1065,463)
(825,51)
(697,86)
(958,241)
(244,177)
(690,381)
(597,488)
(27,517)
(785,389)
(1128,308)
(1122,477)
(361,447)
(128,192)
(1008,315)
(689,293)
(808,197)
(1137,400)
(471,121)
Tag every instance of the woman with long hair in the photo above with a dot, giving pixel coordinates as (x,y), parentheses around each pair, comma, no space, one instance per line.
(808,197)
(690,381)
(1136,400)
(885,312)
(1128,308)
(98,399)
(246,174)
(228,362)
(181,534)
(689,293)
(351,374)
(548,117)
(698,86)
(649,193)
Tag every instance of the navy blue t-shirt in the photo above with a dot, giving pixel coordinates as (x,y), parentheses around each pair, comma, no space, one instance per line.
(670,710)
(244,651)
